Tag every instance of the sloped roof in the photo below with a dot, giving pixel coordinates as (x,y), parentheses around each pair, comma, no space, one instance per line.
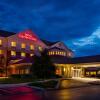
(19,61)
(48,43)
(6,33)
(59,59)
(55,48)
(65,60)
(86,59)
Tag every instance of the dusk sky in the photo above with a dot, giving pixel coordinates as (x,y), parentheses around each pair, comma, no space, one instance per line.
(75,22)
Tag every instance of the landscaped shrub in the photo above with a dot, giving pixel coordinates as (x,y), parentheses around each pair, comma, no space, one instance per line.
(57,76)
(26,76)
(15,76)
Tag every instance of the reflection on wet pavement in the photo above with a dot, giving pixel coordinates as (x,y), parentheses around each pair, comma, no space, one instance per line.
(83,93)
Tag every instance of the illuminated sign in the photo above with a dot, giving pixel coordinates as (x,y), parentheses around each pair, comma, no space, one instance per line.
(27,35)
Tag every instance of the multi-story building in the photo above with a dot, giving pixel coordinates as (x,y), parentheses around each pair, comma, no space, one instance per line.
(17,49)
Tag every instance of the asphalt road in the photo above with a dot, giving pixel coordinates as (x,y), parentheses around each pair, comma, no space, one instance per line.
(21,93)
(68,90)
(82,93)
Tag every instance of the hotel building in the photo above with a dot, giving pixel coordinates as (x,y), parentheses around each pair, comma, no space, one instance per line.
(17,51)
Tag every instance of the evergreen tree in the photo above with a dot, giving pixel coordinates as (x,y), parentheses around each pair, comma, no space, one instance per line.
(42,66)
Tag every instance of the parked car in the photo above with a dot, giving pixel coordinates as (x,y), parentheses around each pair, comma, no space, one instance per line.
(21,93)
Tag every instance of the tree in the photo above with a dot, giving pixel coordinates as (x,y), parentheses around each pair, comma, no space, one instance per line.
(42,66)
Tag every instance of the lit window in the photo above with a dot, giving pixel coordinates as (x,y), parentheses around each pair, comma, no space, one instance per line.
(31,47)
(87,73)
(93,73)
(23,54)
(50,53)
(31,54)
(1,51)
(53,53)
(64,69)
(0,42)
(23,45)
(27,71)
(69,54)
(13,44)
(60,53)
(56,52)
(64,53)
(98,72)
(40,48)
(13,53)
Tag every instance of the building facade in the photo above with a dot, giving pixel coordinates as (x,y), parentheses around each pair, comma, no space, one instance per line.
(17,50)
(88,66)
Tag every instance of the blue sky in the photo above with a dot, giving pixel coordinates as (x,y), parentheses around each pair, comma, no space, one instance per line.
(75,22)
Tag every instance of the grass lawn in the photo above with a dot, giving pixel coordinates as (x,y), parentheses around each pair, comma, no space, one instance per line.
(45,84)
(16,80)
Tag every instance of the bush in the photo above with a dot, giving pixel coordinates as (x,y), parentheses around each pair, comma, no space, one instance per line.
(57,76)
(15,76)
(45,84)
(26,76)
(21,76)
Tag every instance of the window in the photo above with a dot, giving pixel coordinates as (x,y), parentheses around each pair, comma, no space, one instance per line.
(31,54)
(64,53)
(23,54)
(40,48)
(93,73)
(69,54)
(53,52)
(0,42)
(56,53)
(48,53)
(13,53)
(87,73)
(60,53)
(23,45)
(98,72)
(1,51)
(31,47)
(27,71)
(13,44)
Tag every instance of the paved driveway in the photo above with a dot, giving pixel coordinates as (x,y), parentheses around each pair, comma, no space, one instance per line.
(21,93)
(82,93)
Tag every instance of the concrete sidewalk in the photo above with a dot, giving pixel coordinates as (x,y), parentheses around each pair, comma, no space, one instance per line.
(87,79)
(13,85)
(62,82)
(25,84)
(71,83)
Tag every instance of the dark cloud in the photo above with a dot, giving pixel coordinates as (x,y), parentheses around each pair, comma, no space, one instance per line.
(64,20)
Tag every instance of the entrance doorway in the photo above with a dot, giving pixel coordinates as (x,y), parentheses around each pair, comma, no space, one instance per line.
(76,72)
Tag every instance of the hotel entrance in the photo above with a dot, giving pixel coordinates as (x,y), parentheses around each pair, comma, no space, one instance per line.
(76,72)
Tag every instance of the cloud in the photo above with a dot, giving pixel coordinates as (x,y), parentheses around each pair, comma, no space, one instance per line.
(73,21)
(88,45)
(90,40)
